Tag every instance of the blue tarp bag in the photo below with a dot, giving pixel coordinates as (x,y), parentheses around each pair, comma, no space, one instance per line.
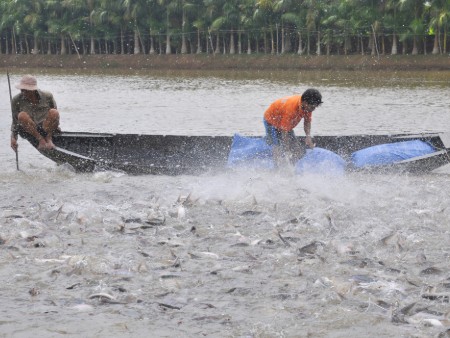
(322,162)
(389,153)
(250,152)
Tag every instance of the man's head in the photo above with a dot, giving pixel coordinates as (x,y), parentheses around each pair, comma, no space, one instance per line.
(28,82)
(311,99)
(312,96)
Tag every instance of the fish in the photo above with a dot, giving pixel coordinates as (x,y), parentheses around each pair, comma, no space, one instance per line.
(251,213)
(187,200)
(199,255)
(168,306)
(332,225)
(311,248)
(442,298)
(394,239)
(283,239)
(431,271)
(429,319)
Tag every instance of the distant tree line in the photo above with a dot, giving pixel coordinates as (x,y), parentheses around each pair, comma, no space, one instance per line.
(308,27)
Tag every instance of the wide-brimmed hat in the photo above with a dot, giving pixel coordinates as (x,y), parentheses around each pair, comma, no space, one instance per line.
(28,82)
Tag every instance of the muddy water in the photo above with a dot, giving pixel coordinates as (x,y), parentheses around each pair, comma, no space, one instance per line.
(240,254)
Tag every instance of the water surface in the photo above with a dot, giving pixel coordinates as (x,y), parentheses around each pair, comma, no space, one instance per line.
(240,254)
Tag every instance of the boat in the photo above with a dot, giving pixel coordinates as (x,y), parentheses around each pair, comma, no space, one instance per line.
(192,155)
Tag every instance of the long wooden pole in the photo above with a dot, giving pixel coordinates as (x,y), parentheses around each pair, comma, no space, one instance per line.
(10,100)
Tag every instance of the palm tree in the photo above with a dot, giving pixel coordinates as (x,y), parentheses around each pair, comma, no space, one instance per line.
(247,8)
(134,12)
(34,23)
(390,22)
(265,16)
(440,16)
(415,27)
(228,20)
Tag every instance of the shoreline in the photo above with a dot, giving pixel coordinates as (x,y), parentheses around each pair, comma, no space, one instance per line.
(229,62)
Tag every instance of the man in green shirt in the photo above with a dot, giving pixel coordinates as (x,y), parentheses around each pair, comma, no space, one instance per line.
(34,115)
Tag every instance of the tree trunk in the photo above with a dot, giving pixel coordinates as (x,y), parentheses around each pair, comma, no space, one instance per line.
(6,43)
(14,42)
(63,46)
(122,42)
(92,49)
(199,44)
(35,49)
(249,46)
(224,50)
(168,49)
(371,45)
(444,49)
(394,44)
(436,43)
(116,46)
(183,44)
(282,39)
(287,42)
(49,48)
(346,44)
(232,48)
(183,37)
(217,50)
(25,50)
(265,42)
(308,45)
(152,46)
(415,50)
(318,51)
(272,51)
(137,47)
(362,45)
(300,44)
(239,43)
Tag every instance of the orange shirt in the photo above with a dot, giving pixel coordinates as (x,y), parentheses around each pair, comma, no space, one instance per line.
(286,113)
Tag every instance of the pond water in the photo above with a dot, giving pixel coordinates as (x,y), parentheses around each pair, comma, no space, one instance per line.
(238,254)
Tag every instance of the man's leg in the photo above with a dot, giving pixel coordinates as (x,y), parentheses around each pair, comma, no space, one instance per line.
(298,149)
(28,125)
(273,139)
(50,125)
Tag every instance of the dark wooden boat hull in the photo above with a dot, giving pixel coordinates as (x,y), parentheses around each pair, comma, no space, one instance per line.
(192,155)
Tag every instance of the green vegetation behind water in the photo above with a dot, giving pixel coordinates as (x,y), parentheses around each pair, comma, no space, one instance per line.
(273,27)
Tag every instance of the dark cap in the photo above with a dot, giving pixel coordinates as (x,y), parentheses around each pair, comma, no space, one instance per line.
(312,96)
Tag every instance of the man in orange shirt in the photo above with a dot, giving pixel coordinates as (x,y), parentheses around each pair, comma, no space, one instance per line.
(283,116)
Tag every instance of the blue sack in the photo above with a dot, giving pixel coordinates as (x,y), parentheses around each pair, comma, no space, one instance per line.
(390,153)
(251,152)
(322,162)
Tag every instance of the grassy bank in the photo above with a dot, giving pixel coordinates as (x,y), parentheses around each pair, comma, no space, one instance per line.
(232,62)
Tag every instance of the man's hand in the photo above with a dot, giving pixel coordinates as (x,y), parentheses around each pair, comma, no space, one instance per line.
(309,143)
(14,144)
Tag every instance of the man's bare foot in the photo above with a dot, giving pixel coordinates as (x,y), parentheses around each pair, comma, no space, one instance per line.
(42,144)
(46,144)
(50,144)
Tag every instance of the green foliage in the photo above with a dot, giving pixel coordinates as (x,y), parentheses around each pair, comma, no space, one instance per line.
(338,21)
